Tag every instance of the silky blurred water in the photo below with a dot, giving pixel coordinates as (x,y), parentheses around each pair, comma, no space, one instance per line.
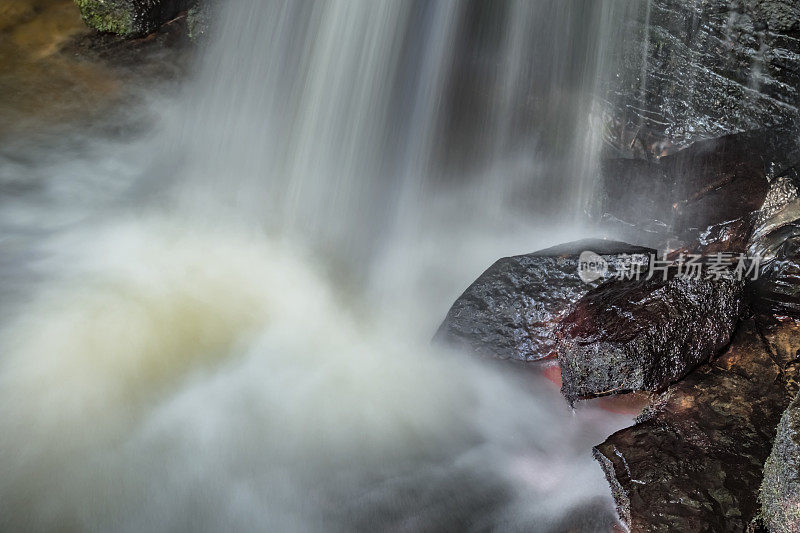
(223,321)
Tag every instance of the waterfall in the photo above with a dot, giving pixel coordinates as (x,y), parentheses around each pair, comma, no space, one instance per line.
(347,122)
(244,344)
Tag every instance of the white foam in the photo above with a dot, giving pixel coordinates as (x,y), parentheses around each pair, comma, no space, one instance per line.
(172,379)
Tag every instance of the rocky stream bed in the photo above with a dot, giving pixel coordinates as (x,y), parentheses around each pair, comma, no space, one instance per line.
(718,354)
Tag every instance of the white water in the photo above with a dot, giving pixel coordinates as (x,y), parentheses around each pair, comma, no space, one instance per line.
(227,325)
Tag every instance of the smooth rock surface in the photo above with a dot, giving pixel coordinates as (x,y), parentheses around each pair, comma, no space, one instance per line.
(636,335)
(511,310)
(694,460)
(776,240)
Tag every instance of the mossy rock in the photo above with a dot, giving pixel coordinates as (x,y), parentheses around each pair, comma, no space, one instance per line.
(130,18)
(198,20)
(777,15)
(780,490)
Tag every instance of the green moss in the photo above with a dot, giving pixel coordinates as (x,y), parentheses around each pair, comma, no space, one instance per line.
(780,489)
(198,21)
(108,16)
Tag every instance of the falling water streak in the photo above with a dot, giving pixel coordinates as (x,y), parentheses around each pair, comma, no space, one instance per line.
(644,60)
(509,93)
(327,147)
(202,375)
(420,148)
(588,143)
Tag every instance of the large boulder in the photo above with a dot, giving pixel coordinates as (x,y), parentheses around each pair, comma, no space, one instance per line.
(693,461)
(690,70)
(130,18)
(780,489)
(733,182)
(511,310)
(641,335)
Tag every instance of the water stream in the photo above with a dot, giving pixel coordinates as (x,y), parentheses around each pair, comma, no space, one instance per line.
(224,323)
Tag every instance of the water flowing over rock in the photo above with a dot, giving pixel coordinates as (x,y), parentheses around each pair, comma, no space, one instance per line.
(130,18)
(693,462)
(693,70)
(712,192)
(635,335)
(511,310)
(198,19)
(780,490)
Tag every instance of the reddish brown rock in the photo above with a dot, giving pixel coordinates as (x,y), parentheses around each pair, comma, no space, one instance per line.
(693,461)
(639,335)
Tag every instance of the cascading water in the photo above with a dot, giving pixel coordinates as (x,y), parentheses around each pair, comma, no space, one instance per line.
(346,117)
(245,344)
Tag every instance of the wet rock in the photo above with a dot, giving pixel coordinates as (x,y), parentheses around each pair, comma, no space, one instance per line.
(511,310)
(637,335)
(713,192)
(130,18)
(165,54)
(780,489)
(726,237)
(637,200)
(776,15)
(693,461)
(720,180)
(198,20)
(776,240)
(700,69)
(777,290)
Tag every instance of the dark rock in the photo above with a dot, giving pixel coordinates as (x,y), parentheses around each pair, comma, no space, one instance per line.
(776,240)
(777,290)
(776,15)
(165,54)
(511,310)
(726,237)
(130,18)
(711,193)
(693,461)
(780,489)
(700,69)
(720,180)
(637,199)
(780,207)
(637,335)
